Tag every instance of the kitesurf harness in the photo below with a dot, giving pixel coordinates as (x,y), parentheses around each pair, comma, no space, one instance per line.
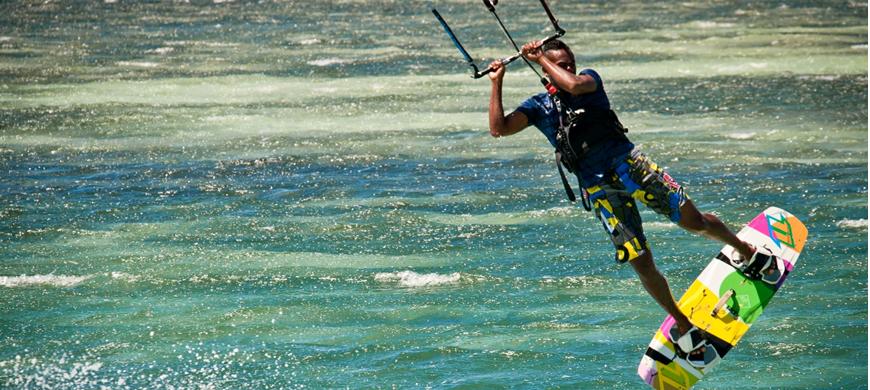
(580,129)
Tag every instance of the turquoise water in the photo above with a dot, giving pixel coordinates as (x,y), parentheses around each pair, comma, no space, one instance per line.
(304,194)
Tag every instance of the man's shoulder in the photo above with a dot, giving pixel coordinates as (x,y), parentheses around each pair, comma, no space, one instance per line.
(540,97)
(590,71)
(593,73)
(540,100)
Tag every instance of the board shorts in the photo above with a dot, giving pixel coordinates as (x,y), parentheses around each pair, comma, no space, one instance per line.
(634,178)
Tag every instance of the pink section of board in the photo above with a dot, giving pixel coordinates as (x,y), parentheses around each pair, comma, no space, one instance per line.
(646,373)
(666,327)
(760,224)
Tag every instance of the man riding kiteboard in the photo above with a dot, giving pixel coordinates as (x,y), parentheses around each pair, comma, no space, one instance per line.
(576,118)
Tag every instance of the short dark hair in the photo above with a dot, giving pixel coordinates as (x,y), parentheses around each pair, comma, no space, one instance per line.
(557,45)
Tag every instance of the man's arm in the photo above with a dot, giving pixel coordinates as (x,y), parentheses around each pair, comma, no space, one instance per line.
(499,124)
(575,84)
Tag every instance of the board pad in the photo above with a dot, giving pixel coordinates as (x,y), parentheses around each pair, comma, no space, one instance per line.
(775,229)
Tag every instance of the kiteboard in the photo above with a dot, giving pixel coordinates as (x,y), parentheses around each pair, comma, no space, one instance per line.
(723,302)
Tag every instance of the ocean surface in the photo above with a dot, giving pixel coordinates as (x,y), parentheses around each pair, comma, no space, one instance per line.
(304,194)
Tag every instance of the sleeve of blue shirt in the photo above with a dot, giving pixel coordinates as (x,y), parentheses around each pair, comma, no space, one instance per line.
(595,76)
(531,109)
(597,99)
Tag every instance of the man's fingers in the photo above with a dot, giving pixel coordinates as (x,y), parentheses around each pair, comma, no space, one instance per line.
(527,48)
(531,47)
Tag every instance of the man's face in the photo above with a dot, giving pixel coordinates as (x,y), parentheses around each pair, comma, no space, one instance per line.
(562,59)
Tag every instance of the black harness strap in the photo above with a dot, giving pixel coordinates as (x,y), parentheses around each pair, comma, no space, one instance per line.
(587,204)
(564,146)
(565,183)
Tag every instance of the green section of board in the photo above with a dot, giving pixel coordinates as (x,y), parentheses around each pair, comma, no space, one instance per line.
(750,296)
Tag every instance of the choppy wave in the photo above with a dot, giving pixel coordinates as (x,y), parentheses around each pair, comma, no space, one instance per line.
(413,279)
(50,280)
(852,224)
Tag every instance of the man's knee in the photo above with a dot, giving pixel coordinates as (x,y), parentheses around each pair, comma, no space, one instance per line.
(693,220)
(698,223)
(644,265)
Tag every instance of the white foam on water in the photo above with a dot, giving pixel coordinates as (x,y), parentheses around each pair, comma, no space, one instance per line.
(659,225)
(563,211)
(820,77)
(708,24)
(162,50)
(582,280)
(852,224)
(587,281)
(200,43)
(741,136)
(138,64)
(413,279)
(526,217)
(328,62)
(509,354)
(50,280)
(309,41)
(123,276)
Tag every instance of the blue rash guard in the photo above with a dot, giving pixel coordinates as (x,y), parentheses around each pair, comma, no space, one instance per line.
(601,157)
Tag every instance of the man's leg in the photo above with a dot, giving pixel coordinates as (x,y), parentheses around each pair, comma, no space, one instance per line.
(662,193)
(618,212)
(657,287)
(710,226)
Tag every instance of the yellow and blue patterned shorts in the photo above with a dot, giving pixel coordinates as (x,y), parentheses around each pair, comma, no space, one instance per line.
(636,178)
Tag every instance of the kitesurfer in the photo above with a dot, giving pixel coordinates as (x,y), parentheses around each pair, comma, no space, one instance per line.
(577,119)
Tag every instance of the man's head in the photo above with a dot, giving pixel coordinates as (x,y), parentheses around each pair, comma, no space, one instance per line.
(560,54)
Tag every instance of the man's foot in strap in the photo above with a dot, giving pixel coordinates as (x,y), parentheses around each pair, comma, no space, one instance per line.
(761,266)
(693,347)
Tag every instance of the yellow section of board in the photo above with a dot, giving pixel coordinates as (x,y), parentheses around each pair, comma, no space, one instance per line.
(698,303)
(673,377)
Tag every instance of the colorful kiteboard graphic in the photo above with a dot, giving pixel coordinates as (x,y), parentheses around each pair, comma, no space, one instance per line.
(723,302)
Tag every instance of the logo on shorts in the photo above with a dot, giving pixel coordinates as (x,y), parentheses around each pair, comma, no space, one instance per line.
(670,181)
